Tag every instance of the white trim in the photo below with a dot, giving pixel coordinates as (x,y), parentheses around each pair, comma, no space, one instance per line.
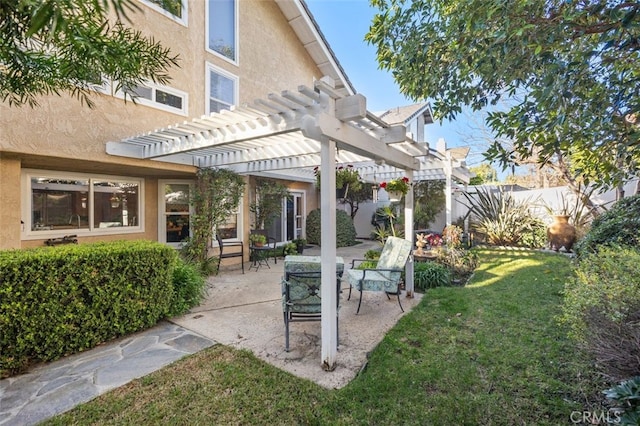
(183,20)
(235,60)
(162,213)
(209,67)
(26,202)
(108,88)
(153,103)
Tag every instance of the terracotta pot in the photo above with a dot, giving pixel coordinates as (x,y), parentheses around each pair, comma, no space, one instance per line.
(561,233)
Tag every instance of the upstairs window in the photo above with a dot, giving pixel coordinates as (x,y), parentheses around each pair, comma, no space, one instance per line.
(174,9)
(222,89)
(222,27)
(161,97)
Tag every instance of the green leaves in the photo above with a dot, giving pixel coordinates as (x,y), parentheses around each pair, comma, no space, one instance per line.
(70,45)
(574,66)
(60,300)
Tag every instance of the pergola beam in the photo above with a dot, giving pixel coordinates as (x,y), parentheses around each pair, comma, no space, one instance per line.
(350,138)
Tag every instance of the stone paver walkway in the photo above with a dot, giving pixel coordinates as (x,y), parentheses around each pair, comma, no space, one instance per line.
(56,387)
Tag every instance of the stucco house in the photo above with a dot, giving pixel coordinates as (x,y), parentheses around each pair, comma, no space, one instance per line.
(56,177)
(68,169)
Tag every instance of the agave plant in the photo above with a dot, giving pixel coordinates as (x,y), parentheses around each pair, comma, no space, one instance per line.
(498,216)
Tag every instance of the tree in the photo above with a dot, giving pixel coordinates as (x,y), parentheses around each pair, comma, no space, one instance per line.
(269,195)
(572,68)
(50,47)
(216,195)
(357,194)
(429,200)
(485,173)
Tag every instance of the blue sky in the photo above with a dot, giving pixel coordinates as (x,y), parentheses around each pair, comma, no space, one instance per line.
(344,24)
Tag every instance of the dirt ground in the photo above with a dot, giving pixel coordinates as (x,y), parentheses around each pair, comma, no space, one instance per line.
(244,311)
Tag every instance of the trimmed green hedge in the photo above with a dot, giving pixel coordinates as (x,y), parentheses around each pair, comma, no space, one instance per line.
(60,300)
(345,230)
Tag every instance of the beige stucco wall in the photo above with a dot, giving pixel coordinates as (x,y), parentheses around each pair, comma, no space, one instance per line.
(64,134)
(9,202)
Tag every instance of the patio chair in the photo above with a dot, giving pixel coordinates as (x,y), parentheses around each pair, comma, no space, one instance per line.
(387,273)
(222,254)
(301,299)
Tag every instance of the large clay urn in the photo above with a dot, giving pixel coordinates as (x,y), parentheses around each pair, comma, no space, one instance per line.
(561,233)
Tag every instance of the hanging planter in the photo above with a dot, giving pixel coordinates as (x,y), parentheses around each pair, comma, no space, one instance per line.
(394,196)
(396,188)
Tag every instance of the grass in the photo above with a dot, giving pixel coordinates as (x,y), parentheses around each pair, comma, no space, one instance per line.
(490,353)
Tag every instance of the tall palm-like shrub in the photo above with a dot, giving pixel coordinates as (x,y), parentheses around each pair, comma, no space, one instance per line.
(500,218)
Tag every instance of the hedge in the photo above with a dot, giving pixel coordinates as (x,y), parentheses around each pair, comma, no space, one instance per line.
(60,300)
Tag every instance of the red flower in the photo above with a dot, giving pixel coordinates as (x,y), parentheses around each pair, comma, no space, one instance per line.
(383,185)
(405,179)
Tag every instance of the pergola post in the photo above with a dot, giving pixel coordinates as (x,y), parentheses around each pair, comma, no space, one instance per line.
(408,233)
(328,290)
(447,166)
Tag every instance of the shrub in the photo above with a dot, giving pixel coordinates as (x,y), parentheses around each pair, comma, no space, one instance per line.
(60,300)
(534,235)
(289,248)
(345,230)
(373,254)
(459,261)
(499,218)
(428,275)
(626,395)
(189,287)
(619,226)
(602,307)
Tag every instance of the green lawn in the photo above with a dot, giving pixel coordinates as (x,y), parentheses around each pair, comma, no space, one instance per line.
(490,353)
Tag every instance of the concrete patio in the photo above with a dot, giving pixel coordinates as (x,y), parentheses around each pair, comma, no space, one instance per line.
(244,311)
(241,310)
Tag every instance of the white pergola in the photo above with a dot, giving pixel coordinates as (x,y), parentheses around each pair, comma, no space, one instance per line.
(286,136)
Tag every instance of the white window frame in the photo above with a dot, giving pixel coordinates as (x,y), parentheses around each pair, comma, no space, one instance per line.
(239,222)
(162,212)
(158,105)
(182,20)
(93,230)
(236,59)
(209,68)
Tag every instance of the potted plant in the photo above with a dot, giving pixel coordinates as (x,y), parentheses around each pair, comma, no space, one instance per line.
(396,188)
(257,240)
(289,248)
(300,243)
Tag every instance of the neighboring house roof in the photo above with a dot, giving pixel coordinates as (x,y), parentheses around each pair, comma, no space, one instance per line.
(404,114)
(308,31)
(459,153)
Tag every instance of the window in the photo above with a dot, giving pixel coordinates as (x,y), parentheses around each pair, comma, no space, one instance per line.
(174,9)
(176,211)
(151,94)
(160,97)
(229,229)
(82,204)
(221,28)
(221,89)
